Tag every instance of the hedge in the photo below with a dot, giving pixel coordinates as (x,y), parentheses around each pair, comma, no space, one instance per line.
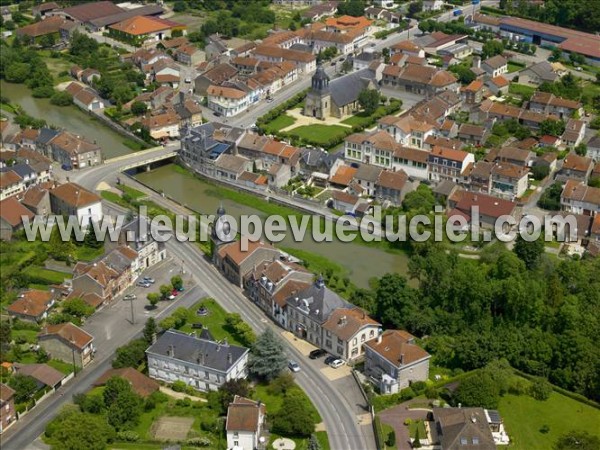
(276,112)
(379,438)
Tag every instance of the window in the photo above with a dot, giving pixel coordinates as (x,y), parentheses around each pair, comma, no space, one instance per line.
(206,374)
(362,337)
(340,350)
(371,333)
(463,441)
(207,386)
(354,341)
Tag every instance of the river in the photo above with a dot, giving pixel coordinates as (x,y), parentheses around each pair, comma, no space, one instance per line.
(70,118)
(362,262)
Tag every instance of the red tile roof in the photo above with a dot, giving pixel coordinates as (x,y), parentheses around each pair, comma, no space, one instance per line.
(31,303)
(68,333)
(75,195)
(398,347)
(12,212)
(139,382)
(244,415)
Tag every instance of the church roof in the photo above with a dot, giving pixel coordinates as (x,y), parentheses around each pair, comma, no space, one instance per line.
(345,90)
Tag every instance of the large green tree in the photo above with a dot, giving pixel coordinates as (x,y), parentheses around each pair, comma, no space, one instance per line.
(267,359)
(478,390)
(75,430)
(123,405)
(293,419)
(530,252)
(577,440)
(369,100)
(24,387)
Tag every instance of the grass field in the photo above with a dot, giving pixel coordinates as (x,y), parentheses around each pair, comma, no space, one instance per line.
(512,67)
(87,253)
(320,134)
(524,417)
(45,275)
(61,366)
(29,335)
(277,124)
(362,119)
(214,321)
(521,89)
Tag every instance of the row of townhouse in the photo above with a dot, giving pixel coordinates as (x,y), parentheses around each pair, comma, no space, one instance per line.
(291,296)
(68,149)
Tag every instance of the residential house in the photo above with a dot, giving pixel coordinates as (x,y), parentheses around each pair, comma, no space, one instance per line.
(459,428)
(497,85)
(189,55)
(214,76)
(10,184)
(509,180)
(107,277)
(574,133)
(447,163)
(473,92)
(226,100)
(547,103)
(392,186)
(43,374)
(266,152)
(50,28)
(36,199)
(25,171)
(473,134)
(367,177)
(342,175)
(231,167)
(347,330)
(189,112)
(409,130)
(140,30)
(73,151)
(575,167)
(11,216)
(67,342)
(164,125)
(88,100)
(433,5)
(305,62)
(593,148)
(136,235)
(245,423)
(32,305)
(538,73)
(495,66)
(513,155)
(344,202)
(487,23)
(166,72)
(409,48)
(71,199)
(393,361)
(480,209)
(320,10)
(8,414)
(236,263)
(309,309)
(215,47)
(200,363)
(578,198)
(141,384)
(421,80)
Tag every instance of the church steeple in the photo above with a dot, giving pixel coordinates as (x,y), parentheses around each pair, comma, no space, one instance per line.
(320,80)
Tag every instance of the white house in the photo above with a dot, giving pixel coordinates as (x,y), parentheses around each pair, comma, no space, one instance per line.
(393,361)
(227,101)
(71,199)
(245,421)
(200,363)
(433,5)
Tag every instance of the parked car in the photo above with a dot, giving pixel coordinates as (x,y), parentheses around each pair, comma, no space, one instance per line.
(188,80)
(149,280)
(315,354)
(174,292)
(270,99)
(66,167)
(171,297)
(143,284)
(293,366)
(330,359)
(180,289)
(337,363)
(130,297)
(217,114)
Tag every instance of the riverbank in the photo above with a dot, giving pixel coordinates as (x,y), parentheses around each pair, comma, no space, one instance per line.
(360,261)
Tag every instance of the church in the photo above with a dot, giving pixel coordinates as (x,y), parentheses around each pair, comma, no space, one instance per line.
(339,97)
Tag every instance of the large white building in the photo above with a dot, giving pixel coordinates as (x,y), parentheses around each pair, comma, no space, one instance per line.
(203,364)
(71,199)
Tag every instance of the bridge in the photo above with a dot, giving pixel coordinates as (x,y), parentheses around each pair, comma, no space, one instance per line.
(142,158)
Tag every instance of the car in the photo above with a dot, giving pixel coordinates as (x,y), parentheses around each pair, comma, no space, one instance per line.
(293,366)
(174,292)
(180,289)
(270,99)
(317,353)
(66,167)
(130,297)
(330,359)
(149,280)
(217,114)
(143,284)
(171,297)
(188,80)
(578,69)
(336,363)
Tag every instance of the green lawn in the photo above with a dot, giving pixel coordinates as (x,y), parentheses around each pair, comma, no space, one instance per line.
(114,198)
(29,335)
(417,425)
(362,118)
(277,124)
(387,429)
(61,366)
(214,321)
(132,192)
(524,417)
(83,253)
(321,135)
(42,275)
(323,440)
(512,67)
(274,403)
(521,90)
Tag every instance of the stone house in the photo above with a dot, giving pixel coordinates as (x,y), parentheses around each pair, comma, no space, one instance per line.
(347,330)
(8,415)
(67,342)
(71,199)
(32,305)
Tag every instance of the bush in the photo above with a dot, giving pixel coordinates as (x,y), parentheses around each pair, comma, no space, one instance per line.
(431,392)
(179,386)
(184,402)
(128,436)
(540,389)
(391,438)
(61,99)
(418,387)
(198,442)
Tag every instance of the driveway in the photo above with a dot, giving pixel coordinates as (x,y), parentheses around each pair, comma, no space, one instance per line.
(396,416)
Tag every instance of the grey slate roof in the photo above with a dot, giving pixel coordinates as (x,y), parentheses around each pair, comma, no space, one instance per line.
(318,301)
(543,70)
(346,89)
(192,349)
(368,172)
(46,135)
(22,169)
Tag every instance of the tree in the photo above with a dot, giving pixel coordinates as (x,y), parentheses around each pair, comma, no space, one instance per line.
(355,8)
(552,127)
(581,149)
(556,54)
(478,390)
(153,299)
(131,354)
(294,419)
(529,252)
(491,48)
(464,74)
(165,291)
(414,8)
(419,201)
(61,98)
(123,405)
(74,430)
(230,389)
(179,6)
(550,198)
(540,389)
(5,336)
(369,100)
(391,438)
(577,440)
(138,108)
(417,440)
(150,330)
(540,171)
(77,307)
(177,282)
(268,358)
(24,387)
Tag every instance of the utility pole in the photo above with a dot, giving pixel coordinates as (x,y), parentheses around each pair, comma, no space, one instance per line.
(74,366)
(132,317)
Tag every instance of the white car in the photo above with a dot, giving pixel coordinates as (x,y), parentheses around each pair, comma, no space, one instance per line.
(337,363)
(293,366)
(130,297)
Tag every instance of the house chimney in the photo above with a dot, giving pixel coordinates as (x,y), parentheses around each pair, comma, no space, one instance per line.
(402,358)
(477,62)
(379,337)
(229,358)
